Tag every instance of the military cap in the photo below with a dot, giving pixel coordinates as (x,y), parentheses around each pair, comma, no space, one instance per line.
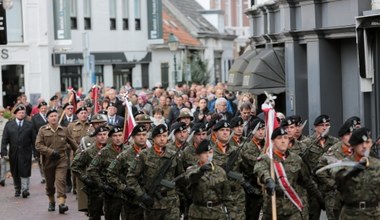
(50,111)
(221,124)
(255,122)
(43,103)
(98,118)
(159,129)
(298,119)
(278,132)
(199,127)
(359,136)
(99,129)
(114,130)
(204,146)
(113,104)
(137,129)
(19,108)
(54,97)
(236,121)
(66,105)
(288,121)
(345,129)
(184,114)
(81,109)
(178,126)
(321,119)
(88,105)
(103,112)
(354,121)
(143,118)
(138,113)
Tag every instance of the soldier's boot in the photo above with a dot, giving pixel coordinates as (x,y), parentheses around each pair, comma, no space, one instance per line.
(51,204)
(62,207)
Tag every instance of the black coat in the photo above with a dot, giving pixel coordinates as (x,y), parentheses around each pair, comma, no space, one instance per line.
(37,122)
(65,122)
(21,143)
(119,121)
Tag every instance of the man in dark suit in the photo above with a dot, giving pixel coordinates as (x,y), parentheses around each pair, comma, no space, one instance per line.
(221,109)
(113,118)
(20,135)
(39,120)
(69,116)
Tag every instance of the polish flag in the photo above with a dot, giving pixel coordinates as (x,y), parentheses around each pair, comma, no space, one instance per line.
(129,121)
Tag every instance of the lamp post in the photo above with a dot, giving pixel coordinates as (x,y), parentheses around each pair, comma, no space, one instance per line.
(173,44)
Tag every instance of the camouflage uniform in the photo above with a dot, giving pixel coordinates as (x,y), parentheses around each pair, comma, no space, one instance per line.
(311,156)
(360,191)
(147,164)
(250,153)
(189,156)
(327,181)
(116,177)
(237,191)
(298,177)
(80,164)
(211,194)
(97,171)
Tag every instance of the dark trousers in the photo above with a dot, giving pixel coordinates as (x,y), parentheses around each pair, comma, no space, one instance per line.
(253,205)
(132,212)
(112,208)
(95,205)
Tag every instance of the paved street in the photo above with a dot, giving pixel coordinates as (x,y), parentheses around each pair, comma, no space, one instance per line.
(35,206)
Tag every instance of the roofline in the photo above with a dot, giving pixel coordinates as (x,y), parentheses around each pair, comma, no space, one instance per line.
(216,35)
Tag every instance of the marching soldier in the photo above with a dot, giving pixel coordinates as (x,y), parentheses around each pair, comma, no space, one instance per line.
(161,202)
(317,145)
(290,126)
(237,127)
(186,117)
(97,120)
(75,132)
(20,136)
(97,171)
(298,134)
(250,154)
(291,176)
(52,144)
(69,116)
(338,151)
(118,170)
(359,186)
(200,133)
(209,187)
(94,204)
(223,152)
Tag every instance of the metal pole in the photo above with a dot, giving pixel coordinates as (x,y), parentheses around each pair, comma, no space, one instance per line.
(175,70)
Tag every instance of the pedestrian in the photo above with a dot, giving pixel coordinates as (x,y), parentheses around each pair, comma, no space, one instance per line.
(21,137)
(4,161)
(52,144)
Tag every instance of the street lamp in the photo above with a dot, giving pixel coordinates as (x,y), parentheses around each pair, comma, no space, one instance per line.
(173,44)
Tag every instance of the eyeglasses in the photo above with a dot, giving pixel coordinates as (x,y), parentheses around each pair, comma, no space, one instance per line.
(70,108)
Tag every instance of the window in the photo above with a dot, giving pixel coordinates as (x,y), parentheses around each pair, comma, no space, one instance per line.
(99,75)
(73,15)
(71,76)
(120,77)
(14,23)
(137,15)
(125,14)
(87,14)
(112,5)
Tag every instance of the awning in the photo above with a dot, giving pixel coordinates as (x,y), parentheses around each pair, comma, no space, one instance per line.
(265,72)
(235,74)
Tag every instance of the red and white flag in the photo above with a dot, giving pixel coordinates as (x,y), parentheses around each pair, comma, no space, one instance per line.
(129,121)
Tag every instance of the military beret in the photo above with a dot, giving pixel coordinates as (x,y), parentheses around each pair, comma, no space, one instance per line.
(298,119)
(66,105)
(321,119)
(138,113)
(113,104)
(89,105)
(19,108)
(99,129)
(98,118)
(278,132)
(159,129)
(199,127)
(137,129)
(178,126)
(54,97)
(103,112)
(288,121)
(114,130)
(255,122)
(354,120)
(345,129)
(204,146)
(81,109)
(50,111)
(359,136)
(184,114)
(43,103)
(236,121)
(221,124)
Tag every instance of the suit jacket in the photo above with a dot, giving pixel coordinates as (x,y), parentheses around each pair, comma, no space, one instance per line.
(21,143)
(65,122)
(38,122)
(119,121)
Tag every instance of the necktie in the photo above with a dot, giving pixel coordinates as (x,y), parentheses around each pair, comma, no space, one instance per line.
(19,124)
(112,121)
